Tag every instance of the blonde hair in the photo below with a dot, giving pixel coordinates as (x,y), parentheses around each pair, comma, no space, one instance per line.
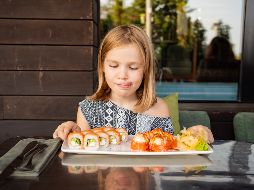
(125,35)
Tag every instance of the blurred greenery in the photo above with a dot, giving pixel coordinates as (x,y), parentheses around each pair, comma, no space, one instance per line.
(172,29)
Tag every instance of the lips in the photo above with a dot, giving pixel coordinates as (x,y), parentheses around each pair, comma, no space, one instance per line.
(125,85)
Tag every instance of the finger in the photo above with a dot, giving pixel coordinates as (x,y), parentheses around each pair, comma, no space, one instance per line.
(210,137)
(60,131)
(66,131)
(55,134)
(76,128)
(61,135)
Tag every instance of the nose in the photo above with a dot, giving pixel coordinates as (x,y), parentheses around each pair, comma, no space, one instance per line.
(123,73)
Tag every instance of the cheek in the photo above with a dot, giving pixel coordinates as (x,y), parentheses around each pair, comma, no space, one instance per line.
(139,76)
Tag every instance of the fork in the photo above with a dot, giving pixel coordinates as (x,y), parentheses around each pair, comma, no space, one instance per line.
(27,164)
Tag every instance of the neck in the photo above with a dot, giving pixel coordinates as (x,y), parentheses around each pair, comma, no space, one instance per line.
(125,102)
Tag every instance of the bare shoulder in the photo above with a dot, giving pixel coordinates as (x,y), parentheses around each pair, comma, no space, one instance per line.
(159,109)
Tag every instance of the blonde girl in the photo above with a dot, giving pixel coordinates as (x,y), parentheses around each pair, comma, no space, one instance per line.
(125,97)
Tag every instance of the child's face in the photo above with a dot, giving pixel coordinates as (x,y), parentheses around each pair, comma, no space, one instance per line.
(124,69)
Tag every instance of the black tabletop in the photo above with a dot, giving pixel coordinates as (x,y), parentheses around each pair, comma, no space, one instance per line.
(230,166)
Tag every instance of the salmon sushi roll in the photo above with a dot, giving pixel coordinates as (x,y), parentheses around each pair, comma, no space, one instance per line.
(140,142)
(86,132)
(159,144)
(114,137)
(104,138)
(75,140)
(97,129)
(123,134)
(149,134)
(157,131)
(91,141)
(107,128)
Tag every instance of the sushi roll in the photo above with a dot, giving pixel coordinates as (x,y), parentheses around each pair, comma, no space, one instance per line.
(159,144)
(91,141)
(104,138)
(97,129)
(157,131)
(86,132)
(123,134)
(107,128)
(114,137)
(149,134)
(75,140)
(140,142)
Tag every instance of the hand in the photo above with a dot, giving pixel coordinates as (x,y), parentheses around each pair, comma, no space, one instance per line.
(65,128)
(199,128)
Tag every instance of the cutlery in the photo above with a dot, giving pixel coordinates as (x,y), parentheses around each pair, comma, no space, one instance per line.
(30,147)
(27,164)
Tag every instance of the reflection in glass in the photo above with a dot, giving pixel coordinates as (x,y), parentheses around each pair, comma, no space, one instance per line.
(219,64)
(133,172)
(182,33)
(122,178)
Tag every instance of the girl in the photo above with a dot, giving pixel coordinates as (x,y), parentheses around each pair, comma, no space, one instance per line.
(126,93)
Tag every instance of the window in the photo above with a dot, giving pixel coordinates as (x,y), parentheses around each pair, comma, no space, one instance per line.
(198,44)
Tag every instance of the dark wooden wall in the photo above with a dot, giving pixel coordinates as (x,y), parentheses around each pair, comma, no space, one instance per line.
(48,52)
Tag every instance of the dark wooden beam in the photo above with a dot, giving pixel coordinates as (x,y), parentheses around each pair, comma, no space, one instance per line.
(27,128)
(41,107)
(46,83)
(47,9)
(28,57)
(54,32)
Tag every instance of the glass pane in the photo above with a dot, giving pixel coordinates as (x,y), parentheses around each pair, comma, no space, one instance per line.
(197,43)
(202,60)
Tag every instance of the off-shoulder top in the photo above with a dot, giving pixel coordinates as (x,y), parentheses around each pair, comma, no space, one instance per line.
(106,113)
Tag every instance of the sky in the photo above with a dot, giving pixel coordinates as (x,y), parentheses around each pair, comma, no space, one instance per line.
(229,11)
(211,11)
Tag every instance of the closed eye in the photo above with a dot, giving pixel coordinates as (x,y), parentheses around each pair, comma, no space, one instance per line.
(133,68)
(113,66)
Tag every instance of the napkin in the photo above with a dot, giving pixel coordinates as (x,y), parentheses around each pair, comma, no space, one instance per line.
(39,161)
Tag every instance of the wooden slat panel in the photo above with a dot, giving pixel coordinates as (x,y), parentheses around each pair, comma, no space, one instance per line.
(1,108)
(41,107)
(13,128)
(61,32)
(53,9)
(20,57)
(46,83)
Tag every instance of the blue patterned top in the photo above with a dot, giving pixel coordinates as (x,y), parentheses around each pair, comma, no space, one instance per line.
(106,113)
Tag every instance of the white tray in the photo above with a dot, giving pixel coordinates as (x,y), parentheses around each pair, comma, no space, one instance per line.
(124,149)
(135,161)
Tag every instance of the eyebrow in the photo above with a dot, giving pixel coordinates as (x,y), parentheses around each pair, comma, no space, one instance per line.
(114,61)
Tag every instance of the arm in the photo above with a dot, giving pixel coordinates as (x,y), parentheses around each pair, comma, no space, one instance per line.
(81,121)
(65,128)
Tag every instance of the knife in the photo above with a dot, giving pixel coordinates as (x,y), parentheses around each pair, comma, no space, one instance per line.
(30,147)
